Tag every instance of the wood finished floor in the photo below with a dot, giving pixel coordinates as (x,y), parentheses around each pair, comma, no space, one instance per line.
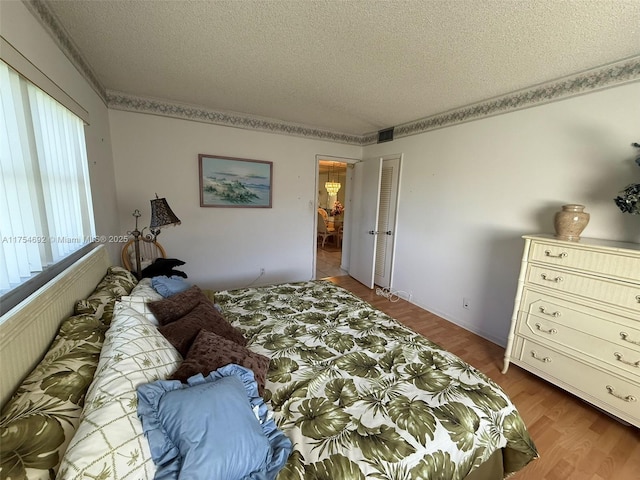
(328,260)
(575,440)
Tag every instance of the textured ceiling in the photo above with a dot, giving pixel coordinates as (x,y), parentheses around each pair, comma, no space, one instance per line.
(353,66)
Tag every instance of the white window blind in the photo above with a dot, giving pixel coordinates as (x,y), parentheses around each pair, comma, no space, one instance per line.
(46,211)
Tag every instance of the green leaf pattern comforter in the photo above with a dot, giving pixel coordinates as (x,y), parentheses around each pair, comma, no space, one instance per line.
(362,396)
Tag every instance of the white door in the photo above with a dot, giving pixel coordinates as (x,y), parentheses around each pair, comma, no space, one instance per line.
(385,240)
(365,203)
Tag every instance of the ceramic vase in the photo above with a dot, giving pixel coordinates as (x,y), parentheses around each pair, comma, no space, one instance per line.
(570,222)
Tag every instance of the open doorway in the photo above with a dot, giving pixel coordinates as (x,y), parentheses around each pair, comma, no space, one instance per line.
(332,203)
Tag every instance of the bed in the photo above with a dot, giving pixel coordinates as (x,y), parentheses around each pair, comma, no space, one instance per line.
(357,394)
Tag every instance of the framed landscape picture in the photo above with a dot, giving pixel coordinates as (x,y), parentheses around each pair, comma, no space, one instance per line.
(234,182)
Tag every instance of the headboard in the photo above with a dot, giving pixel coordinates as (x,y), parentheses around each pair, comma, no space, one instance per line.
(27,330)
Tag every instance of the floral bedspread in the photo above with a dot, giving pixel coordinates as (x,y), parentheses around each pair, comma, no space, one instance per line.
(362,396)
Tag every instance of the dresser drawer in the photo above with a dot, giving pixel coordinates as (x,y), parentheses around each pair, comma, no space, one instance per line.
(622,360)
(620,330)
(623,265)
(617,294)
(601,385)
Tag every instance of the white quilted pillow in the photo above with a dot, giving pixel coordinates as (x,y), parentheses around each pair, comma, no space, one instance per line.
(141,294)
(145,290)
(109,442)
(139,304)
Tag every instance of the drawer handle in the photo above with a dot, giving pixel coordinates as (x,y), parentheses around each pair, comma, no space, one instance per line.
(638,298)
(553,314)
(627,398)
(551,331)
(624,336)
(560,255)
(534,354)
(549,279)
(619,358)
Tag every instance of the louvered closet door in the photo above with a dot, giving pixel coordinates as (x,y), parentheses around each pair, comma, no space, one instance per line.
(372,240)
(386,222)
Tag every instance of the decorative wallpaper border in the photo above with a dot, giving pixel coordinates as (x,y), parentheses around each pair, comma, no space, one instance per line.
(133,103)
(617,73)
(41,11)
(602,77)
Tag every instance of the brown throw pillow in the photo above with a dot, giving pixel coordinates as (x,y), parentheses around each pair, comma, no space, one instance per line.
(177,306)
(204,316)
(210,352)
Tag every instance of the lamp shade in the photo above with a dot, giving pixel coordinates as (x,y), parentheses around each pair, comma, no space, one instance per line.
(161,214)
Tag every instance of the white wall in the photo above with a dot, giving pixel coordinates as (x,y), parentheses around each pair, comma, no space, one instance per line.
(468,193)
(25,33)
(222,247)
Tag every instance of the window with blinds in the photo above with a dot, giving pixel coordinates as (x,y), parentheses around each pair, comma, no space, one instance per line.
(46,210)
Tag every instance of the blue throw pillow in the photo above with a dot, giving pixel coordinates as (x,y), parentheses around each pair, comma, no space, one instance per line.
(215,427)
(167,286)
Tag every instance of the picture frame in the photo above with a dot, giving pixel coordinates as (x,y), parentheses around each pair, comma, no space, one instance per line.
(230,182)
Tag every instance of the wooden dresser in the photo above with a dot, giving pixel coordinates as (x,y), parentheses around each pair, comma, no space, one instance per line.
(576,320)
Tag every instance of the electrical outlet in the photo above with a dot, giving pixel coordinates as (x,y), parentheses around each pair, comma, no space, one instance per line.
(262,271)
(466,303)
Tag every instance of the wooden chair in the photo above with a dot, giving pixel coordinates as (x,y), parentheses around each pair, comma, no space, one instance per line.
(324,214)
(149,251)
(323,230)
